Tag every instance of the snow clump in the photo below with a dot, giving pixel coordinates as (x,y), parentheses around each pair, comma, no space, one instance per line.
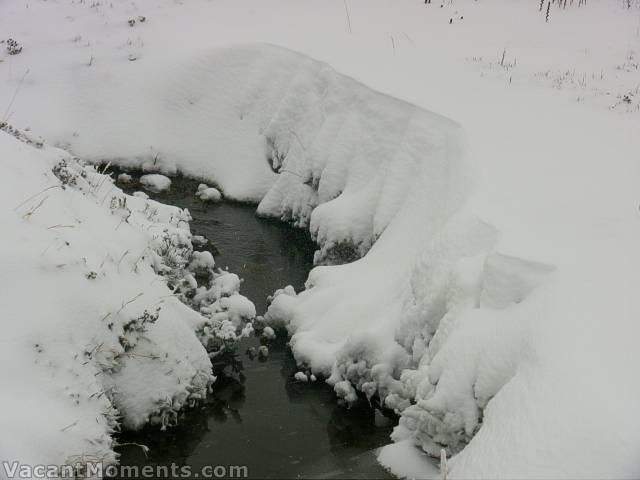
(155,182)
(208,194)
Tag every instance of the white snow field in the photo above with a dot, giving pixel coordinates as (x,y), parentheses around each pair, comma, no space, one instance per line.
(494,303)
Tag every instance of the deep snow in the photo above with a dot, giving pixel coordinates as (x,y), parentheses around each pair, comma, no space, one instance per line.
(499,319)
(93,337)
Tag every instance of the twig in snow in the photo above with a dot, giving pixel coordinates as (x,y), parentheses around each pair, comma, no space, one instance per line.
(546,17)
(34,196)
(60,226)
(105,197)
(346,9)
(69,426)
(130,301)
(33,209)
(15,94)
(292,173)
(443,464)
(119,261)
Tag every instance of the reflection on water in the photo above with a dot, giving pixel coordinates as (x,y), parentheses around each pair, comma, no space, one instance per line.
(259,416)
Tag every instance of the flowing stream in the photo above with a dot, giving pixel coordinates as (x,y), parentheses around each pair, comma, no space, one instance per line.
(258,416)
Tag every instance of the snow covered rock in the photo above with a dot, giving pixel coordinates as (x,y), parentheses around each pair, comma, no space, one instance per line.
(208,194)
(201,261)
(199,241)
(268,333)
(124,178)
(155,182)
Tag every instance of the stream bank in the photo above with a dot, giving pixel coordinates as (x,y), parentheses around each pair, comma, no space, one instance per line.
(258,415)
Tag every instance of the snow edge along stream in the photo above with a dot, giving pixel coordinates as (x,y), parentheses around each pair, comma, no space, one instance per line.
(465,335)
(127,313)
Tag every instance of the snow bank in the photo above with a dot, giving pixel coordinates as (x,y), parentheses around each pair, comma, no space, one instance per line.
(403,460)
(93,326)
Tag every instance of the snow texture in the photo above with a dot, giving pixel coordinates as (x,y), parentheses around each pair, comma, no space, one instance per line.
(492,295)
(95,332)
(208,194)
(155,182)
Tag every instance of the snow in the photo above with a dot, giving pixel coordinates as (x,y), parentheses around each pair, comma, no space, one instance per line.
(155,182)
(494,306)
(199,240)
(93,333)
(124,178)
(142,195)
(208,194)
(268,333)
(202,261)
(404,460)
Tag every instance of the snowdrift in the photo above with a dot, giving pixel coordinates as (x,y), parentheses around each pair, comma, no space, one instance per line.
(92,335)
(514,356)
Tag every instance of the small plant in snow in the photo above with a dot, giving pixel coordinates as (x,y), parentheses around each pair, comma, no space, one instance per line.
(65,173)
(276,158)
(22,135)
(132,21)
(133,329)
(629,101)
(173,253)
(119,207)
(13,47)
(630,64)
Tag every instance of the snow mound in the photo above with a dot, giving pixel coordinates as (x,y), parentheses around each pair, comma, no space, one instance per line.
(124,178)
(314,147)
(155,182)
(404,460)
(208,194)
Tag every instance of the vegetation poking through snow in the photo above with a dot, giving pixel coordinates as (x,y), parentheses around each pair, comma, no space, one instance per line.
(13,46)
(22,135)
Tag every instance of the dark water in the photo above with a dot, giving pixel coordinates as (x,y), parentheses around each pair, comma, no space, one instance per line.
(259,416)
